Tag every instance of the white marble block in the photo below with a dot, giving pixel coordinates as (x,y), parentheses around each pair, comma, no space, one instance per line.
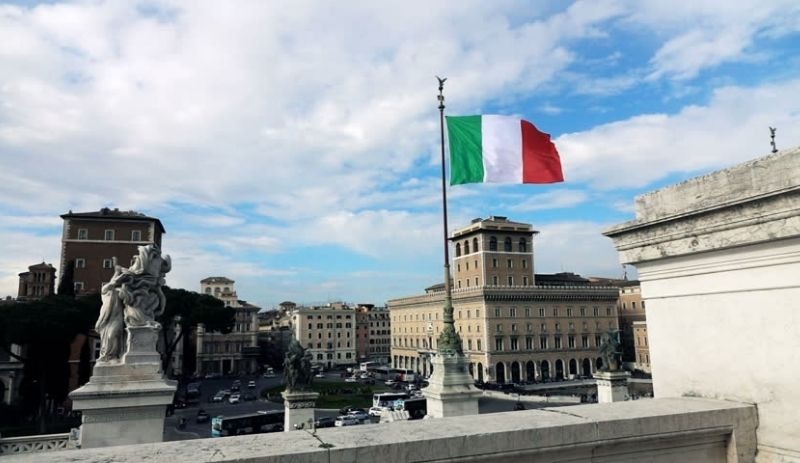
(451,390)
(299,406)
(612,386)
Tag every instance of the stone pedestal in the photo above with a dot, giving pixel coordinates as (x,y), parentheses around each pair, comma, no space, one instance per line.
(125,402)
(299,406)
(451,390)
(612,386)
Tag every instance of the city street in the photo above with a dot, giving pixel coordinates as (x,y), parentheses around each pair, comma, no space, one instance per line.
(210,387)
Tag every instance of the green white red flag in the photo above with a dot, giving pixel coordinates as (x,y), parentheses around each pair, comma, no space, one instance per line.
(500,149)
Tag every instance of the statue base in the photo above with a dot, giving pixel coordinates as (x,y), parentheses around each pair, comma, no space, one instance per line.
(299,408)
(612,386)
(125,402)
(451,390)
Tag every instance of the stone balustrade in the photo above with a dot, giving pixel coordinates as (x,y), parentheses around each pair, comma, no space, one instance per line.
(684,429)
(31,444)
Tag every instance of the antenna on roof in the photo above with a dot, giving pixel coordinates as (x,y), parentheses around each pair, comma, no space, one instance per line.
(624,272)
(772,139)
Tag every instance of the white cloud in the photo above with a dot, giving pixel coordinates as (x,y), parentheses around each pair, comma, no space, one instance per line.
(731,128)
(555,199)
(575,246)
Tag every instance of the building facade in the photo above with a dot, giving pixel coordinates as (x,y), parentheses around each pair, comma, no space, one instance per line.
(329,334)
(641,346)
(513,329)
(92,241)
(631,308)
(39,281)
(373,334)
(235,352)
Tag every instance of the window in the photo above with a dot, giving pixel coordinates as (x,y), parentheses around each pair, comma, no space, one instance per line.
(498,344)
(469,344)
(542,342)
(108,235)
(459,283)
(479,344)
(524,263)
(583,311)
(492,245)
(83,234)
(514,344)
(108,263)
(466,249)
(458,250)
(494,263)
(608,311)
(497,312)
(475,244)
(558,342)
(136,235)
(476,281)
(80,262)
(467,265)
(78,285)
(596,312)
(558,326)
(494,280)
(523,245)
(510,263)
(499,327)
(633,305)
(512,312)
(541,312)
(642,305)
(510,280)
(458,267)
(597,340)
(571,341)
(543,327)
(507,245)
(569,312)
(529,343)
(527,311)
(584,341)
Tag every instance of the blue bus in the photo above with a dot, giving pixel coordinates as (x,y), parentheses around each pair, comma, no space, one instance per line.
(251,423)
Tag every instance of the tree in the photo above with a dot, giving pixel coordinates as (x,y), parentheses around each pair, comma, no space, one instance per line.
(187,309)
(66,287)
(45,328)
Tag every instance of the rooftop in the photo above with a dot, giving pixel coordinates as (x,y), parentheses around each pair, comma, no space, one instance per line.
(113,214)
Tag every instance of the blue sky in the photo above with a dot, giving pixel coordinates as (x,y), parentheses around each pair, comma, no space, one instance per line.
(293,146)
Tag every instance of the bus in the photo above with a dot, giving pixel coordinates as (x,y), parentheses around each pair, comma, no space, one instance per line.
(387,399)
(251,423)
(399,374)
(366,366)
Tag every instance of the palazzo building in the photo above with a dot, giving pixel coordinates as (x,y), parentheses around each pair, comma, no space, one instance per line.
(328,332)
(373,334)
(513,327)
(230,353)
(39,281)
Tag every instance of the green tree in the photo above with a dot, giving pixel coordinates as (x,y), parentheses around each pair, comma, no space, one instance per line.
(66,287)
(45,328)
(187,309)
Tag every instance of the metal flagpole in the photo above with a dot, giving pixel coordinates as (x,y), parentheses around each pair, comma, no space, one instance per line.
(449,341)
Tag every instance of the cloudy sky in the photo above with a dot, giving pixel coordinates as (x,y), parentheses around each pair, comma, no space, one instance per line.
(293,146)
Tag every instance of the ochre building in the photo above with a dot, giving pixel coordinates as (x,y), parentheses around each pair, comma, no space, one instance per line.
(513,328)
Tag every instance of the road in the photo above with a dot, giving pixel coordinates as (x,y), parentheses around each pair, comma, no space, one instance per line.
(210,387)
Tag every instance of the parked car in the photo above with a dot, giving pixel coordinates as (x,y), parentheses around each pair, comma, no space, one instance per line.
(251,385)
(360,415)
(202,416)
(234,398)
(325,422)
(351,379)
(346,420)
(350,408)
(378,411)
(390,382)
(218,397)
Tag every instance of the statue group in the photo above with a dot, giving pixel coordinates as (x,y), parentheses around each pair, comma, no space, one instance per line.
(132,298)
(297,367)
(611,350)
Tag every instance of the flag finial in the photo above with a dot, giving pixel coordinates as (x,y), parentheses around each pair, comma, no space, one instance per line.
(441,80)
(771,135)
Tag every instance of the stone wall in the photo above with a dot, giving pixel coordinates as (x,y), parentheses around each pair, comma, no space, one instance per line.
(688,430)
(719,263)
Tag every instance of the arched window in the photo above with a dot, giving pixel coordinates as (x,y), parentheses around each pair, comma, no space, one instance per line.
(507,245)
(458,249)
(466,247)
(523,245)
(493,243)
(474,244)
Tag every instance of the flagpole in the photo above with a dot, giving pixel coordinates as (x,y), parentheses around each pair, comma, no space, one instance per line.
(449,341)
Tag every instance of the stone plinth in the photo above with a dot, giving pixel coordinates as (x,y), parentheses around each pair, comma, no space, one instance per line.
(125,403)
(718,258)
(451,390)
(612,386)
(299,406)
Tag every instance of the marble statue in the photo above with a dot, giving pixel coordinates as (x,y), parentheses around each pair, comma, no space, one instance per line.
(611,350)
(132,298)
(297,367)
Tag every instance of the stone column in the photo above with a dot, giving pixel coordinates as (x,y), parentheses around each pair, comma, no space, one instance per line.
(125,402)
(299,407)
(450,390)
(612,386)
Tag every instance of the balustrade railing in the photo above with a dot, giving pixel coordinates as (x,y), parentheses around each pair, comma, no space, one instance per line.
(31,444)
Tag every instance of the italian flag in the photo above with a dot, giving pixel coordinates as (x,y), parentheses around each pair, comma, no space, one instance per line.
(500,149)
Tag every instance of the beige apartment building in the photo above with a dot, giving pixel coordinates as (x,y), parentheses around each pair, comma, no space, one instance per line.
(632,318)
(235,352)
(328,332)
(513,328)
